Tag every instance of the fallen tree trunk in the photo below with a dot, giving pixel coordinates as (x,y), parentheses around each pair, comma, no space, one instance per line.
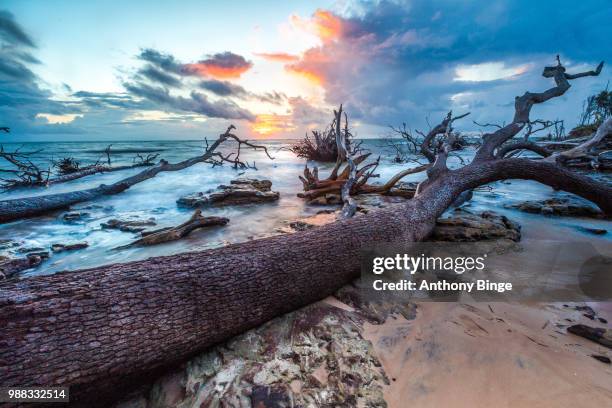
(89,171)
(11,210)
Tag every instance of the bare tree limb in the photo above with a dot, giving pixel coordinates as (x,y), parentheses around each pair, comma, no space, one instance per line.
(604,130)
(523,105)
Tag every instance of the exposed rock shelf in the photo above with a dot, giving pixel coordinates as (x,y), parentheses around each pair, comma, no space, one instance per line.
(238,192)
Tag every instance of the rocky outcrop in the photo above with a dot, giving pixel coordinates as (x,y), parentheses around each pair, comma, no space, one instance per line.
(11,266)
(565,206)
(314,357)
(464,226)
(238,192)
(69,247)
(128,225)
(75,216)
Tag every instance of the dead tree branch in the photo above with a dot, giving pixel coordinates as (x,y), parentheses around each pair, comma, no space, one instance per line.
(24,171)
(196,221)
(351,179)
(523,105)
(584,149)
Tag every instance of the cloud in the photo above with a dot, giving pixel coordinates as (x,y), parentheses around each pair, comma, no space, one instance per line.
(11,32)
(393,61)
(161,60)
(228,89)
(196,102)
(278,56)
(488,71)
(157,75)
(222,65)
(21,96)
(223,88)
(301,116)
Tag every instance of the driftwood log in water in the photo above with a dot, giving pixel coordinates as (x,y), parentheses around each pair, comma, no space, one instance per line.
(196,221)
(11,210)
(95,169)
(102,330)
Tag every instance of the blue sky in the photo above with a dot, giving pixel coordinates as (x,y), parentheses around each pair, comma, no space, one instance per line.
(161,70)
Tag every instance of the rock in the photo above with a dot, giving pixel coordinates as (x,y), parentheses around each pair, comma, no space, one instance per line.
(12,266)
(327,199)
(270,397)
(596,334)
(306,223)
(313,357)
(464,226)
(41,254)
(7,244)
(570,207)
(603,359)
(595,231)
(240,191)
(27,250)
(68,247)
(128,225)
(75,216)
(300,225)
(261,185)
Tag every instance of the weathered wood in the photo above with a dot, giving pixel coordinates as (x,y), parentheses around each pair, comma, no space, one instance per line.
(196,221)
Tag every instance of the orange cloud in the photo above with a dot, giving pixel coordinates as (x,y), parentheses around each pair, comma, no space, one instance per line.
(215,71)
(270,124)
(328,25)
(306,73)
(324,24)
(311,66)
(222,66)
(278,56)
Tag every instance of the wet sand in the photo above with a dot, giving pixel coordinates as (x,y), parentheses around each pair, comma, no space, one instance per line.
(496,354)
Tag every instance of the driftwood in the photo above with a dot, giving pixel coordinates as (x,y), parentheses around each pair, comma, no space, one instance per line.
(103,330)
(180,231)
(24,171)
(15,209)
(353,181)
(604,130)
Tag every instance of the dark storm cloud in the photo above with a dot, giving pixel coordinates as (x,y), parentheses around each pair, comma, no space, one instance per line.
(21,97)
(196,103)
(222,88)
(161,77)
(164,61)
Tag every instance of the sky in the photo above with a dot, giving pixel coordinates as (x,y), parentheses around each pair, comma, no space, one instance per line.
(152,70)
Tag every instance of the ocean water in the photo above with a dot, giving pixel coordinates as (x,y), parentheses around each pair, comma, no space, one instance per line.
(157,197)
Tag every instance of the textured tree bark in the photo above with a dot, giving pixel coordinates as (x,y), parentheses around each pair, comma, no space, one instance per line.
(101,330)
